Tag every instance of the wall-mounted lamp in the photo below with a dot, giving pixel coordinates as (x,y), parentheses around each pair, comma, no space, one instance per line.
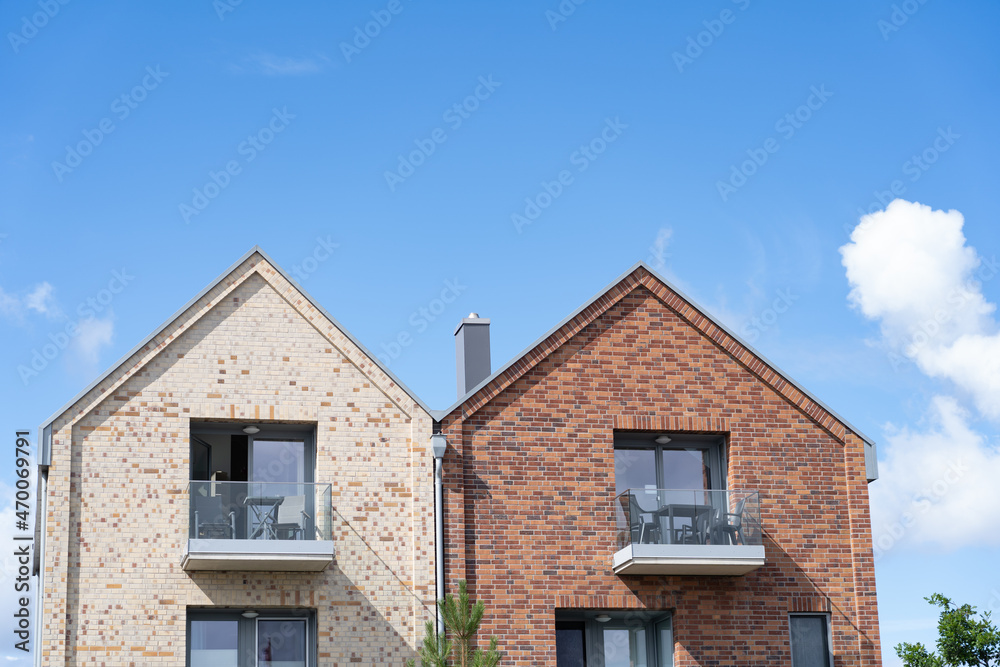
(251,429)
(602,618)
(660,440)
(249,613)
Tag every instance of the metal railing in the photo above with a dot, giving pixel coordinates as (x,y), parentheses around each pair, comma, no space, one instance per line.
(260,511)
(685,516)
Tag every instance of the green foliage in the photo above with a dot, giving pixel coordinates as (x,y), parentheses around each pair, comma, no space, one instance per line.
(962,639)
(461,622)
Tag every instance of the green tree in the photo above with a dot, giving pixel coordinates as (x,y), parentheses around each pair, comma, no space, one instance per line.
(461,622)
(963,639)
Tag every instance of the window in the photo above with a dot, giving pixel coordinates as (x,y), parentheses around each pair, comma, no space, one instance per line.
(270,639)
(252,485)
(274,454)
(671,489)
(675,461)
(810,640)
(571,645)
(613,639)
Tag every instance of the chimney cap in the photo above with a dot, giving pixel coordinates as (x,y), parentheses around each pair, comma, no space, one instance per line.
(473,318)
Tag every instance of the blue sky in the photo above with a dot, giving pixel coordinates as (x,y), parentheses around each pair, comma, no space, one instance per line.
(524,156)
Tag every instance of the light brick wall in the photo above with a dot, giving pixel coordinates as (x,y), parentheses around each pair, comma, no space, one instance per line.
(530,482)
(253,349)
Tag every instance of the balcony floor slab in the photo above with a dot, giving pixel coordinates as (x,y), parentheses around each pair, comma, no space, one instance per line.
(688,559)
(259,555)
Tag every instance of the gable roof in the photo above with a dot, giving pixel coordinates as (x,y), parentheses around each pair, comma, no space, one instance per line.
(641,275)
(295,293)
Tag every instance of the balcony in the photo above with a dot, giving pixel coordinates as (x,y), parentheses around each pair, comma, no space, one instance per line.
(269,526)
(675,531)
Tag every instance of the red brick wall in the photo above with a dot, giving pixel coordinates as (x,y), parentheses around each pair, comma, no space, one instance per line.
(530,486)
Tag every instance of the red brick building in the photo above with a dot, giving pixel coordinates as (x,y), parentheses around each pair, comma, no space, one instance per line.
(640,487)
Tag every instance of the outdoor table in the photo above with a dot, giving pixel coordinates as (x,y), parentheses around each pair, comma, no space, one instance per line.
(265,511)
(681,510)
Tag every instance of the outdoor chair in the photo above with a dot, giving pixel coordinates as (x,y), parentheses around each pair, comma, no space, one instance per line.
(292,518)
(643,532)
(697,532)
(211,520)
(727,527)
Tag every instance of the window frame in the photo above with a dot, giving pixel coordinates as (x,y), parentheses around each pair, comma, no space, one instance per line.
(278,432)
(827,634)
(651,622)
(715,444)
(249,626)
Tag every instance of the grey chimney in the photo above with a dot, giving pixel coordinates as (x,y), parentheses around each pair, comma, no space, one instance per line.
(472,352)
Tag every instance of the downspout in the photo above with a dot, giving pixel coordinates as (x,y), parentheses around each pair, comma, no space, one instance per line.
(439,445)
(43,460)
(42,508)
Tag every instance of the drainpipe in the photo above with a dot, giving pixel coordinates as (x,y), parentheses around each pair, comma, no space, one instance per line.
(439,445)
(42,509)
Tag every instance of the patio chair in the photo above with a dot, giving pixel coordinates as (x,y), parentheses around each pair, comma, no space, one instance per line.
(643,532)
(292,518)
(698,531)
(727,527)
(211,521)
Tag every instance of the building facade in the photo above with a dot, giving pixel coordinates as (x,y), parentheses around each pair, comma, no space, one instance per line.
(247,487)
(250,487)
(640,488)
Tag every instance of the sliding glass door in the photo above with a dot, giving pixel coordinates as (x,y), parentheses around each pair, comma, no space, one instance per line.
(227,638)
(614,639)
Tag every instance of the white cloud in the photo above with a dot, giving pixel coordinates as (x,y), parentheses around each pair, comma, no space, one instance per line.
(10,305)
(937,486)
(40,300)
(911,269)
(658,254)
(94,335)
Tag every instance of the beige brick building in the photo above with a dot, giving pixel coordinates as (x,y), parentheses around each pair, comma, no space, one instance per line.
(249,483)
